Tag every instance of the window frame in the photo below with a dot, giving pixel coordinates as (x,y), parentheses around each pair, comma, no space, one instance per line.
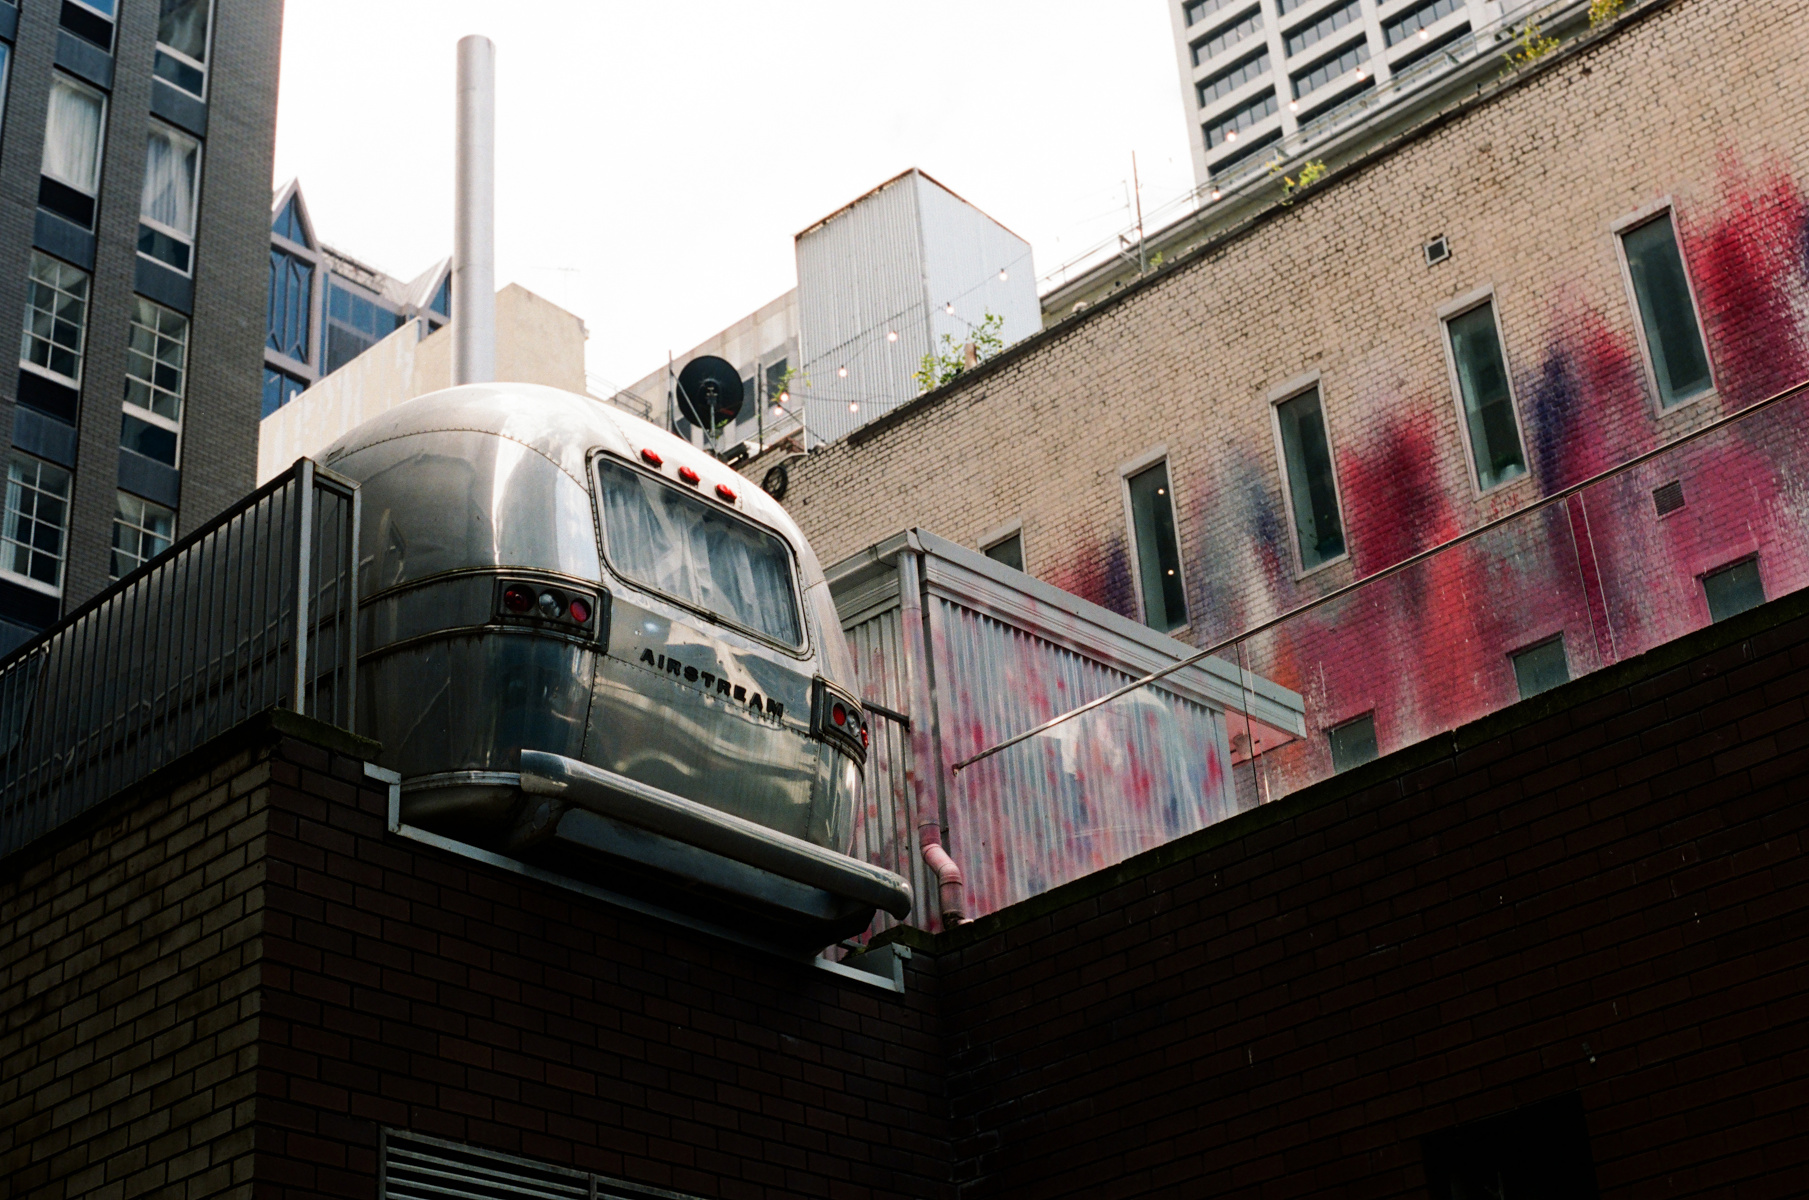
(100,142)
(1127,469)
(26,364)
(1448,312)
(1279,395)
(1618,231)
(1558,639)
(146,415)
(805,650)
(187,239)
(114,549)
(1000,534)
(26,581)
(159,46)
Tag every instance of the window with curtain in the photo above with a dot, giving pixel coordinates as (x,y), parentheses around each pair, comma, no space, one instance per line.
(698,554)
(172,166)
(72,135)
(156,361)
(291,296)
(36,523)
(182,44)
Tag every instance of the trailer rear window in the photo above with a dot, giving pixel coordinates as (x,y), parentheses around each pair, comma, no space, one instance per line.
(698,553)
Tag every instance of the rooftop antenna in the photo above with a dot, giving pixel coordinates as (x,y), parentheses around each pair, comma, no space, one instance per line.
(474,216)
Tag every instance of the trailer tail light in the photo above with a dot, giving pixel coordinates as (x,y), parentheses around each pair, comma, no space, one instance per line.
(838,714)
(689,476)
(518,600)
(580,610)
(836,718)
(550,607)
(652,459)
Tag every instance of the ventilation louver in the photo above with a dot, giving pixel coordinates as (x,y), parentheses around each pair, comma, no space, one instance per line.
(1437,251)
(1669,498)
(424,1168)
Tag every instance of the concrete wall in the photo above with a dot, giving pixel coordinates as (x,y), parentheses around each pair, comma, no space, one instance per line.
(536,342)
(1527,182)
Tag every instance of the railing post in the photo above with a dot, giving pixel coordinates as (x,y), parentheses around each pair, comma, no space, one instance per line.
(304,546)
(350,633)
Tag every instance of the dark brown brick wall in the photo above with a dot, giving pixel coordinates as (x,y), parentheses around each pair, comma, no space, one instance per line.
(1603,891)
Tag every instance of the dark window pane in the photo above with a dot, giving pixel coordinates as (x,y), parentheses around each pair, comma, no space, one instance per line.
(1233,78)
(1309,35)
(1227,36)
(182,26)
(1010,552)
(1353,743)
(1733,589)
(1314,497)
(1158,555)
(279,389)
(154,243)
(1199,10)
(1488,404)
(1667,312)
(1411,23)
(291,289)
(1539,1151)
(442,298)
(1328,69)
(1231,124)
(1541,668)
(152,441)
(288,223)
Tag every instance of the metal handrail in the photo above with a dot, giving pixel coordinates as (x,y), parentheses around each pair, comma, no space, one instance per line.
(1405,564)
(256,609)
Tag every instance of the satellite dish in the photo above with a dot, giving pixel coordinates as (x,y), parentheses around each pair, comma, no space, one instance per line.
(709,392)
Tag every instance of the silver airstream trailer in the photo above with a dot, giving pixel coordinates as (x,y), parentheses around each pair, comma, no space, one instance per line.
(587,643)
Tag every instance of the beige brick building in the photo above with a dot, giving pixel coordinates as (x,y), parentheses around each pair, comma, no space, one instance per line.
(1693,109)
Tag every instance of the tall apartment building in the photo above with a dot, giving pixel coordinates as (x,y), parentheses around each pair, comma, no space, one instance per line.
(134,183)
(1259,73)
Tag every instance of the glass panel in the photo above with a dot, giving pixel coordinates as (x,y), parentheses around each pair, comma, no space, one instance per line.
(1488,404)
(56,317)
(182,26)
(1227,37)
(1541,668)
(1010,552)
(1665,309)
(1353,743)
(288,224)
(141,531)
(291,296)
(1733,589)
(1158,557)
(72,135)
(442,297)
(1308,36)
(156,359)
(170,166)
(279,389)
(152,441)
(697,553)
(36,520)
(1317,528)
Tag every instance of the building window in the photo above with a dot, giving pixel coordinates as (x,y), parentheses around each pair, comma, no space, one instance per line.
(1233,78)
(156,365)
(1158,554)
(288,224)
(1353,743)
(1008,550)
(1227,36)
(141,531)
(1488,401)
(1667,311)
(1199,10)
(1541,668)
(90,20)
(291,299)
(182,44)
(1407,24)
(1227,127)
(172,167)
(1323,72)
(72,150)
(1312,488)
(776,374)
(1733,589)
(35,527)
(354,324)
(56,318)
(6,62)
(280,387)
(442,298)
(1308,36)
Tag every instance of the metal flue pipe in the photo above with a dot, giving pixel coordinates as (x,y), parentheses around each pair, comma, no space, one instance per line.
(474,216)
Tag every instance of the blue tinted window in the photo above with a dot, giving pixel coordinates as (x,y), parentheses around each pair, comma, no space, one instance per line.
(354,324)
(442,299)
(288,224)
(291,282)
(279,389)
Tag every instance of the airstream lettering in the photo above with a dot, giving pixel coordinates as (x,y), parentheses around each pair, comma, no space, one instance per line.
(586,642)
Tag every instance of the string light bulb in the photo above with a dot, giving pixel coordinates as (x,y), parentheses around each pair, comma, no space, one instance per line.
(784,397)
(1362,72)
(1215,193)
(891,335)
(1002,275)
(1293,106)
(1425,35)
(949,308)
(842,371)
(1231,135)
(853,407)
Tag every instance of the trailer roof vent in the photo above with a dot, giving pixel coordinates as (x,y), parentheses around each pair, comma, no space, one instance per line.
(1669,498)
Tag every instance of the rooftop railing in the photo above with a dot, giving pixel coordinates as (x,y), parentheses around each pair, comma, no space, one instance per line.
(254,610)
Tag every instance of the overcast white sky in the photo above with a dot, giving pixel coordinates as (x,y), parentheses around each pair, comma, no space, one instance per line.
(655,159)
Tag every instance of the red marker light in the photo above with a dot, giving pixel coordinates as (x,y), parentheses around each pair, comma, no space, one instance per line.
(726,492)
(839,715)
(689,476)
(866,742)
(651,459)
(518,600)
(580,610)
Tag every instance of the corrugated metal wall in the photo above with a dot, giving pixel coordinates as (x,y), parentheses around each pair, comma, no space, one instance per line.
(885,825)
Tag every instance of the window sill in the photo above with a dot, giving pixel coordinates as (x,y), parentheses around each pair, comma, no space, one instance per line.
(26,581)
(53,376)
(1302,575)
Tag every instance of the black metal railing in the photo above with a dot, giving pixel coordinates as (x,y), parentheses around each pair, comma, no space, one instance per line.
(255,610)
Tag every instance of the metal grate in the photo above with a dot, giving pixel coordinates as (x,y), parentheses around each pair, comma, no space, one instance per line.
(254,610)
(1669,498)
(426,1168)
(1437,251)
